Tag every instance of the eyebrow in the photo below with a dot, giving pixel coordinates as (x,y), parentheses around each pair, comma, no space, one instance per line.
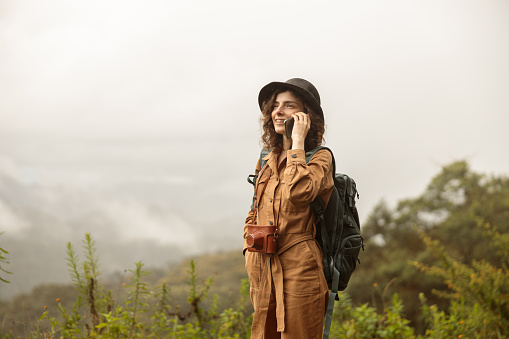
(286,102)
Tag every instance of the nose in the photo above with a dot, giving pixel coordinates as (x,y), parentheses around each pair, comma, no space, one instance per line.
(279,110)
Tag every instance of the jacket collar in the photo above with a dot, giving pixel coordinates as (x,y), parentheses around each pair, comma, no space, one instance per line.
(271,159)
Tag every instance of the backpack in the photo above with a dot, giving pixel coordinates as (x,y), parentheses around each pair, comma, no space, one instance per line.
(337,232)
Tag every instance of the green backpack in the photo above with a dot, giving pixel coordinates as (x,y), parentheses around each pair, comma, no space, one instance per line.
(337,232)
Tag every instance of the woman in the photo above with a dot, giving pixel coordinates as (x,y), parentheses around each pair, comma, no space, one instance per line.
(288,288)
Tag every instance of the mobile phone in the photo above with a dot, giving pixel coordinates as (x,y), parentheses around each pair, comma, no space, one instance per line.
(289,127)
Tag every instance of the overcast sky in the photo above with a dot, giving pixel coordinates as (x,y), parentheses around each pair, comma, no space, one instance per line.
(102,93)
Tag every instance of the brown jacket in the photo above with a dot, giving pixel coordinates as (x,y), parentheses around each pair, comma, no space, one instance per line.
(290,285)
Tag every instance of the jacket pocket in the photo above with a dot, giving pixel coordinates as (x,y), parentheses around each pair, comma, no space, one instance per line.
(301,271)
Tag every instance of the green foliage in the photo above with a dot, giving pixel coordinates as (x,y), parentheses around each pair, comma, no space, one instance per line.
(73,264)
(479,292)
(479,295)
(3,259)
(448,211)
(196,296)
(461,321)
(143,313)
(366,322)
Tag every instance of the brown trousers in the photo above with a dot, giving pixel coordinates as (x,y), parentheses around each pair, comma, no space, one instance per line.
(299,323)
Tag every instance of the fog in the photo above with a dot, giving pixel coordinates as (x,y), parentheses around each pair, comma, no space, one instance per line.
(138,121)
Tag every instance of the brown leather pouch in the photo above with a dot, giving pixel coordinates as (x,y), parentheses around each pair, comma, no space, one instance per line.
(261,238)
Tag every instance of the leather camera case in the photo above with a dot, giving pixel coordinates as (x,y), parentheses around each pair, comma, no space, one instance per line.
(261,239)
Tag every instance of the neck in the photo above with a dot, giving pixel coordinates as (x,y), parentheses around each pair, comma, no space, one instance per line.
(287,143)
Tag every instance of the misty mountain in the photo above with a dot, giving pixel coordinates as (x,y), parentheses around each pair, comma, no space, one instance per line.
(154,221)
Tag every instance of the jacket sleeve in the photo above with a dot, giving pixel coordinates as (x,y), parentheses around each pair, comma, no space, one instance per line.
(304,182)
(249,219)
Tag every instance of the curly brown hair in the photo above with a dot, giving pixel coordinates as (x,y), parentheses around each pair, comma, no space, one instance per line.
(273,140)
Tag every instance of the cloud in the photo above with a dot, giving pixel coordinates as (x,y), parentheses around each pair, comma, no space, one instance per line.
(136,221)
(11,222)
(8,167)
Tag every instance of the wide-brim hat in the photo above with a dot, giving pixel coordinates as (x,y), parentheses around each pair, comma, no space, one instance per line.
(302,87)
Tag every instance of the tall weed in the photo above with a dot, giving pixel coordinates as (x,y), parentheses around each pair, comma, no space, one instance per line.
(143,313)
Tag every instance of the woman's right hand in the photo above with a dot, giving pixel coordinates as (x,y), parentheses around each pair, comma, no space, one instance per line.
(301,128)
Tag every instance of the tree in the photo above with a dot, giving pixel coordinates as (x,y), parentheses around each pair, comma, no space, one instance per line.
(448,211)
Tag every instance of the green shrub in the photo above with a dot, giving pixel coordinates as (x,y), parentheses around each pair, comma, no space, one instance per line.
(365,322)
(479,292)
(143,313)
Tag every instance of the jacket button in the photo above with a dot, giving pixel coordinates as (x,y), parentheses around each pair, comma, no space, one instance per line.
(270,223)
(270,199)
(294,155)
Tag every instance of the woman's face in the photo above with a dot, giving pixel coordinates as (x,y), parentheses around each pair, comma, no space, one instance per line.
(286,104)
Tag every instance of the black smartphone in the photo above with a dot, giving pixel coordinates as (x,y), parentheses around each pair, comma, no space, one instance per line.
(289,127)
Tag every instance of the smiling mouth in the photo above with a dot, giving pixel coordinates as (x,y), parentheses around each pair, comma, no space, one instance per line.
(280,121)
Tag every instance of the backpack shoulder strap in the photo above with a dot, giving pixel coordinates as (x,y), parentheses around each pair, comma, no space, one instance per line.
(318,208)
(263,154)
(252,177)
(317,205)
